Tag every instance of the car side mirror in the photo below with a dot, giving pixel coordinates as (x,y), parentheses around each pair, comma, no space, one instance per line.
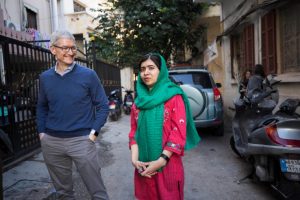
(218,85)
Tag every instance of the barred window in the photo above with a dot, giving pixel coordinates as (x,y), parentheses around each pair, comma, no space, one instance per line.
(290,37)
(268,39)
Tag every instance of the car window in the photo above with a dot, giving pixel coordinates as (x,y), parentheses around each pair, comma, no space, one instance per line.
(193,78)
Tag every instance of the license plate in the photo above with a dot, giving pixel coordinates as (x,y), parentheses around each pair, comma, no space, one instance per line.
(288,165)
(112,106)
(129,103)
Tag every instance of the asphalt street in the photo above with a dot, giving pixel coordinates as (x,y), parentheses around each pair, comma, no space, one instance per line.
(212,171)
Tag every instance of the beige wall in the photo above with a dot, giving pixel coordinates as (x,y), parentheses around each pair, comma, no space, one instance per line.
(127,79)
(211,20)
(216,66)
(80,22)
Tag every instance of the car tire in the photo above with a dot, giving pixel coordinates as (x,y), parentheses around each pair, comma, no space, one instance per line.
(219,131)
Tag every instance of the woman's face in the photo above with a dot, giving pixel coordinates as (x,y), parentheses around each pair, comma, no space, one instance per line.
(248,74)
(149,73)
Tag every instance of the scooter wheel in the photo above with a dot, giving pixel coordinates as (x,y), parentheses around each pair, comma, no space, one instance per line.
(114,117)
(232,145)
(127,111)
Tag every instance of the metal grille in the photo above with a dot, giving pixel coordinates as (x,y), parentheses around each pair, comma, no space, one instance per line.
(20,66)
(109,75)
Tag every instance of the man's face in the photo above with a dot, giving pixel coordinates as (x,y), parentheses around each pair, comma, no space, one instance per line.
(65,51)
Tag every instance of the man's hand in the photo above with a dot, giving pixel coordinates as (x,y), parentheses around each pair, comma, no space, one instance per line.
(92,137)
(41,135)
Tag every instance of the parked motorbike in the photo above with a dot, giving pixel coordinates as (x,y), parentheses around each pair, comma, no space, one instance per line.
(128,101)
(114,102)
(269,141)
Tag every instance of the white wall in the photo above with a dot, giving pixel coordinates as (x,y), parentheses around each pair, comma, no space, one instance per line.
(127,79)
(13,12)
(42,8)
(68,6)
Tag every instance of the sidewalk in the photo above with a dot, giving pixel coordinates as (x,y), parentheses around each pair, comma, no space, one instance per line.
(30,180)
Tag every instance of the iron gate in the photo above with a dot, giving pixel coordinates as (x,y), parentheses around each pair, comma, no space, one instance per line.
(109,75)
(20,66)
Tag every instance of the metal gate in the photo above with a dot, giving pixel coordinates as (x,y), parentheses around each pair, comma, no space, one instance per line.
(20,66)
(109,75)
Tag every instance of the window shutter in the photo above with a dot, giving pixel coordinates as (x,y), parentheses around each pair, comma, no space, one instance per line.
(248,40)
(268,35)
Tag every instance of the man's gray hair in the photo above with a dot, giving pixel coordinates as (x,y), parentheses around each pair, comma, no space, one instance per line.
(56,35)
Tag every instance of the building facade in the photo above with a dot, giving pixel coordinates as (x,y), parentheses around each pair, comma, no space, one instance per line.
(261,32)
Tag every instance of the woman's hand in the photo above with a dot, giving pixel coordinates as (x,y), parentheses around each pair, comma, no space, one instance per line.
(153,166)
(139,165)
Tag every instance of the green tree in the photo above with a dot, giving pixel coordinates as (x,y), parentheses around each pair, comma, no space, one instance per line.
(131,28)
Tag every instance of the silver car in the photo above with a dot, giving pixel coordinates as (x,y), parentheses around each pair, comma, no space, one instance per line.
(204,96)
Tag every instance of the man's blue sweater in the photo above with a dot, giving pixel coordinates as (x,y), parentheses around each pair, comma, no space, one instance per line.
(71,105)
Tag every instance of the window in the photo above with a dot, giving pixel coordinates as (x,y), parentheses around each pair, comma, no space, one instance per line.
(290,37)
(248,40)
(193,78)
(31,19)
(242,51)
(237,53)
(78,7)
(268,39)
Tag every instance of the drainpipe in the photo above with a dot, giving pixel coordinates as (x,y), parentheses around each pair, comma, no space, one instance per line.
(54,14)
(22,16)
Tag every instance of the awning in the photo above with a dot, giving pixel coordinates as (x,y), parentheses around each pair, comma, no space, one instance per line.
(266,5)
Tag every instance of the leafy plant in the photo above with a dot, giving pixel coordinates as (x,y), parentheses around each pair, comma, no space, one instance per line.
(129,29)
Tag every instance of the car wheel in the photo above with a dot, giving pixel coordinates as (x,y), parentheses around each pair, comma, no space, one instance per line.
(219,131)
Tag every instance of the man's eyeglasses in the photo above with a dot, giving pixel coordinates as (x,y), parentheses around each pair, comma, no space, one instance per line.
(67,49)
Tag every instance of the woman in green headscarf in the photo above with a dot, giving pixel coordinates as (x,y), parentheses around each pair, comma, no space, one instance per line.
(161,129)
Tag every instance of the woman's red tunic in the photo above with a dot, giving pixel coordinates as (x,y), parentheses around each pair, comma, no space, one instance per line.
(167,184)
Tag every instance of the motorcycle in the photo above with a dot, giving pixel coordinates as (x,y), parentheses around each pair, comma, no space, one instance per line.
(128,101)
(114,103)
(269,141)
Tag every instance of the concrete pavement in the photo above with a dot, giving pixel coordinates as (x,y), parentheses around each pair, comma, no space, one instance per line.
(211,171)
(30,179)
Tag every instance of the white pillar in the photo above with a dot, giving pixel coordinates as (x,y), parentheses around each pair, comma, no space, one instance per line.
(54,14)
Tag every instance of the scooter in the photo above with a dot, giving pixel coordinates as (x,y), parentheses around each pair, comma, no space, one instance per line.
(114,103)
(269,141)
(128,101)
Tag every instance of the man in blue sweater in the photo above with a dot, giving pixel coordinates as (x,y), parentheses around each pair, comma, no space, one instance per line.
(72,107)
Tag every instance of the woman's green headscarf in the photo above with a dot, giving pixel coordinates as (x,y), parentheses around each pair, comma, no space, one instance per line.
(151,115)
